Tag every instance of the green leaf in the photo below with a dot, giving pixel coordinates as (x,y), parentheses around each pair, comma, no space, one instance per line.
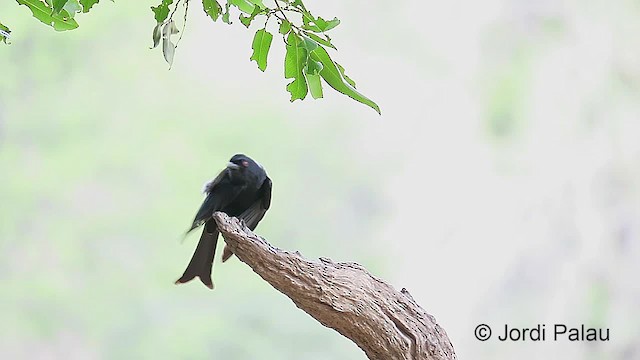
(168,48)
(313,67)
(294,57)
(157,34)
(328,25)
(246,20)
(5,33)
(308,22)
(212,8)
(331,24)
(315,86)
(298,88)
(309,44)
(285,27)
(87,4)
(161,12)
(173,29)
(244,5)
(295,60)
(312,73)
(298,4)
(225,15)
(258,3)
(72,7)
(318,39)
(346,78)
(333,76)
(58,5)
(43,12)
(261,44)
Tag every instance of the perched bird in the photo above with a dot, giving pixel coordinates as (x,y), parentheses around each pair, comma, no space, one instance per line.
(241,190)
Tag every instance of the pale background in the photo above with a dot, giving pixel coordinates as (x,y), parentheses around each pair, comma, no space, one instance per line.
(500,185)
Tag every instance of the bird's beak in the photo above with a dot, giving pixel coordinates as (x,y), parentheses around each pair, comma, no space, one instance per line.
(232,166)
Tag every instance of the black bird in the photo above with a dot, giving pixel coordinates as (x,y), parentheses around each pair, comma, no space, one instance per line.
(241,190)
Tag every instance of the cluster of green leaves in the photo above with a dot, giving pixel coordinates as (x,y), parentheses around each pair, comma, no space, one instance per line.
(58,14)
(307,61)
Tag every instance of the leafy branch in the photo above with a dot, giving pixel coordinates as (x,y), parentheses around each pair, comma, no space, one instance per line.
(59,14)
(307,61)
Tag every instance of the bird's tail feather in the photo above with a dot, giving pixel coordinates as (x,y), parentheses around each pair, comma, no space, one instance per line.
(202,260)
(226,253)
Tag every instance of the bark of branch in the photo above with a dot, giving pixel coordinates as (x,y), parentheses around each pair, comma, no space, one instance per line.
(386,324)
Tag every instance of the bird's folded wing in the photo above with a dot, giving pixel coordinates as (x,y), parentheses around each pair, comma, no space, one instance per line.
(253,215)
(208,187)
(256,211)
(266,193)
(224,194)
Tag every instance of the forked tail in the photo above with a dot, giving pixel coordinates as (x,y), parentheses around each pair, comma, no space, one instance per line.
(202,260)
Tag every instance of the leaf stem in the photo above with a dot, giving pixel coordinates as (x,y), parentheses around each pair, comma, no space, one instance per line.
(267,20)
(174,10)
(294,27)
(184,24)
(280,9)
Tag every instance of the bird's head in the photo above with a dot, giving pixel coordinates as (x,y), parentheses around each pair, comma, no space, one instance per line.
(240,162)
(242,168)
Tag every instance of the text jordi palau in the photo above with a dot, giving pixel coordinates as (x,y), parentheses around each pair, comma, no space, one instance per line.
(557,332)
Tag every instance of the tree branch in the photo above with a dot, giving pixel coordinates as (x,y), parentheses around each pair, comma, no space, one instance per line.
(386,324)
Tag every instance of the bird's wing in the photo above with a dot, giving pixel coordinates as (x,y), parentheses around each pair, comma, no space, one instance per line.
(220,193)
(256,211)
(209,186)
(266,193)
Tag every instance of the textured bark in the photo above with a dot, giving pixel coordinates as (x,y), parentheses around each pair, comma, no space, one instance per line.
(386,324)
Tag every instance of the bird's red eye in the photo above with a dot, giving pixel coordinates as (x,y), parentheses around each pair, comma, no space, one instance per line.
(245,163)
